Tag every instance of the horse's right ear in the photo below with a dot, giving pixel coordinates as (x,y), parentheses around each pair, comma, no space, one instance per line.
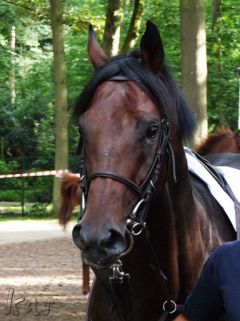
(95,52)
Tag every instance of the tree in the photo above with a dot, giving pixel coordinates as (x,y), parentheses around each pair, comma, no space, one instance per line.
(223,58)
(60,93)
(194,61)
(111,36)
(12,79)
(216,14)
(27,126)
(135,24)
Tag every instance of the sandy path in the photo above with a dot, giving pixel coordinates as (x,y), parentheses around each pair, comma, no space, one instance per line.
(40,273)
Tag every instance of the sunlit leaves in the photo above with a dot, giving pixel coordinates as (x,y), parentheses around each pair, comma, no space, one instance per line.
(33,60)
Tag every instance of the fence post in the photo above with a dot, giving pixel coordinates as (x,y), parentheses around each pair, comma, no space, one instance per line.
(23,188)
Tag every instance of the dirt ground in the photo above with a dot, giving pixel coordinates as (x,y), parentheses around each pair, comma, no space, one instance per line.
(40,273)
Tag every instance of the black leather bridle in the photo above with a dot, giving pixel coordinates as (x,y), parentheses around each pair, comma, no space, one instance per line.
(136,221)
(137,217)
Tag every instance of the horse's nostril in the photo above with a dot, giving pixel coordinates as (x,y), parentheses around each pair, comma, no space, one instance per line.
(106,242)
(76,235)
(113,240)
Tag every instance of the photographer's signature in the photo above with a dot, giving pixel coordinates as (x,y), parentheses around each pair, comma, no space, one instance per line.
(21,304)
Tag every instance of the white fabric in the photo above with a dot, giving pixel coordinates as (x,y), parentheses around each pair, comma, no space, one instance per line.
(231,175)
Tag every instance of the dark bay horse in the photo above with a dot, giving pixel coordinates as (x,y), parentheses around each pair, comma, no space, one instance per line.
(223,140)
(147,225)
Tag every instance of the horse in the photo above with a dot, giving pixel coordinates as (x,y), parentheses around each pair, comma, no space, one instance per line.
(147,224)
(223,140)
(70,198)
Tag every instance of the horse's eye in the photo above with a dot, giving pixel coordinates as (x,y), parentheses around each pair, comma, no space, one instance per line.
(152,131)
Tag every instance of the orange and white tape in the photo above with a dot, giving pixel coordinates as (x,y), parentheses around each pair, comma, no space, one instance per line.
(58,173)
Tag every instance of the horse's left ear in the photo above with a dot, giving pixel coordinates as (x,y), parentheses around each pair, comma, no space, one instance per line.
(152,48)
(95,52)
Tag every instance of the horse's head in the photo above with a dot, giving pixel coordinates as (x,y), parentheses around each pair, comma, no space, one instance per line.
(123,115)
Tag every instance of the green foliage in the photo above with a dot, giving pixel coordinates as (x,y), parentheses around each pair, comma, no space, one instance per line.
(27,126)
(39,210)
(10,189)
(7,168)
(223,59)
(10,195)
(38,189)
(34,189)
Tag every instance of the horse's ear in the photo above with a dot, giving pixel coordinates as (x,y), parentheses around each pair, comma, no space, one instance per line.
(152,48)
(95,52)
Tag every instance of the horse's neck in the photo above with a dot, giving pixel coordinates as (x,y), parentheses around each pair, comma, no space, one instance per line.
(191,225)
(176,227)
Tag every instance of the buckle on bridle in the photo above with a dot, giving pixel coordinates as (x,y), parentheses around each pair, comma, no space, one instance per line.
(170,306)
(134,228)
(136,208)
(118,274)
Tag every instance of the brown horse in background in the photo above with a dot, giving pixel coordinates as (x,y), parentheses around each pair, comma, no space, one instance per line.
(148,225)
(70,198)
(221,141)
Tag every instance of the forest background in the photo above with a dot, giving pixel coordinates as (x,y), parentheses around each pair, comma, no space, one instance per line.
(27,104)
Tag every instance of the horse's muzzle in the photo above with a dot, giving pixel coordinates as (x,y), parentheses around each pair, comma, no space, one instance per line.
(100,248)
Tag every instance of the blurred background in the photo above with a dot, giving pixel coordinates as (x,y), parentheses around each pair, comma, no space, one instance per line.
(44,66)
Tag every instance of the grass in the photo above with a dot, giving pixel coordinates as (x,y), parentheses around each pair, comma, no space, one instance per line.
(32,211)
(4,218)
(11,209)
(14,210)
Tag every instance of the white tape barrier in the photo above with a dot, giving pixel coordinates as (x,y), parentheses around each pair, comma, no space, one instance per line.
(58,173)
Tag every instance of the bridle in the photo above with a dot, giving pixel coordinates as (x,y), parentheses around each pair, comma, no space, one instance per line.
(137,218)
(136,221)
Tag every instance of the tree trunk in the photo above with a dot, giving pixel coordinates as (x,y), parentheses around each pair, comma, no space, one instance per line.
(216,12)
(111,37)
(133,30)
(60,95)
(194,62)
(12,77)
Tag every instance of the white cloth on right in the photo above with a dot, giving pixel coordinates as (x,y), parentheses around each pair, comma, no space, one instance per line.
(231,175)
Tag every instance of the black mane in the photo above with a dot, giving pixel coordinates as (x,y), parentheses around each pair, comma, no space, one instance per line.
(161,88)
